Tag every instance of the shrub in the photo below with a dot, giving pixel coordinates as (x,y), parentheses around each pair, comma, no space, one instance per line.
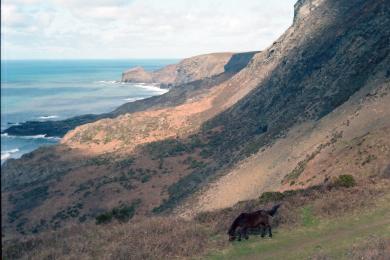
(122,213)
(124,163)
(104,218)
(145,178)
(193,164)
(345,180)
(270,196)
(166,148)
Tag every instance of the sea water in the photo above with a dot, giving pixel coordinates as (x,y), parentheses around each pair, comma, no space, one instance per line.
(40,90)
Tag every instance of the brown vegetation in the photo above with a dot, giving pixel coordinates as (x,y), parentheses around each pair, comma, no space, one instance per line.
(170,237)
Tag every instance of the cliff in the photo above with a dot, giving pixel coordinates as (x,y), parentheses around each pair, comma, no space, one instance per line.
(187,70)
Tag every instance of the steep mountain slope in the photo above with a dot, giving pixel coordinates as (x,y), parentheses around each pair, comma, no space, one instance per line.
(352,139)
(153,159)
(324,58)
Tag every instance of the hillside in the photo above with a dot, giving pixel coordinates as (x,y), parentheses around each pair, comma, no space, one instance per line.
(353,139)
(311,107)
(318,223)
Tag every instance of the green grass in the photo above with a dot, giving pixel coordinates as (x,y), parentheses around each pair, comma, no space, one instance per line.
(308,219)
(332,237)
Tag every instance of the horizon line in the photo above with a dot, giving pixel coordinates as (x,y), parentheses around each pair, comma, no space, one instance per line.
(56,59)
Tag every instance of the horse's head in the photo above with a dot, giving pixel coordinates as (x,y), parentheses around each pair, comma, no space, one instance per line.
(232,235)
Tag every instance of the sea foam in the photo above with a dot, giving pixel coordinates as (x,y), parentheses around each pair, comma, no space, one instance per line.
(7,154)
(148,86)
(31,136)
(48,117)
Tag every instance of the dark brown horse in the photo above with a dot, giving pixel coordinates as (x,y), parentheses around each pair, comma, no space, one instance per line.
(257,219)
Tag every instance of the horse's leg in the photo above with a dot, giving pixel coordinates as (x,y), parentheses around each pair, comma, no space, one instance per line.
(239,231)
(269,231)
(245,230)
(263,229)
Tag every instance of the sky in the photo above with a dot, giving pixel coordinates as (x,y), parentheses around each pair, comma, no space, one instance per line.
(138,29)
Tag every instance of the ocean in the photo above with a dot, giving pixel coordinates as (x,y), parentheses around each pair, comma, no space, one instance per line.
(39,90)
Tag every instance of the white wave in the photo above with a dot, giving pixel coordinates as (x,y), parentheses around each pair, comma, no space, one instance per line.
(149,86)
(133,99)
(11,151)
(31,136)
(53,138)
(39,137)
(7,154)
(48,117)
(152,87)
(107,81)
(13,124)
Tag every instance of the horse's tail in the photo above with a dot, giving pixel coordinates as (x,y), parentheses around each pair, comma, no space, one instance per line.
(274,209)
(234,226)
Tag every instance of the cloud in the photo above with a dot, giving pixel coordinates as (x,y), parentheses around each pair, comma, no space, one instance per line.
(139,28)
(95,3)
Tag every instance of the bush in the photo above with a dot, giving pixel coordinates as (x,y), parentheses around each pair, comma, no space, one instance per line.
(270,196)
(124,163)
(104,218)
(122,213)
(145,178)
(345,180)
(166,148)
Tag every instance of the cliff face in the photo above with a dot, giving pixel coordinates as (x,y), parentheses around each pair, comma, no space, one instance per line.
(190,69)
(163,149)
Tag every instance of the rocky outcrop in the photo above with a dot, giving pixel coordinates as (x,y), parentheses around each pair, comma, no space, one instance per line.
(187,70)
(137,74)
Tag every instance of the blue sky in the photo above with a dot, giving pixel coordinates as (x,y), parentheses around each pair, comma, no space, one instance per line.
(76,29)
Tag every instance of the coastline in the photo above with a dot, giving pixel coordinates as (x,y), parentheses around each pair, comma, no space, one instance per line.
(19,138)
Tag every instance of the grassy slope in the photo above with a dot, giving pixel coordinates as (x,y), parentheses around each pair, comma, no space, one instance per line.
(330,237)
(334,218)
